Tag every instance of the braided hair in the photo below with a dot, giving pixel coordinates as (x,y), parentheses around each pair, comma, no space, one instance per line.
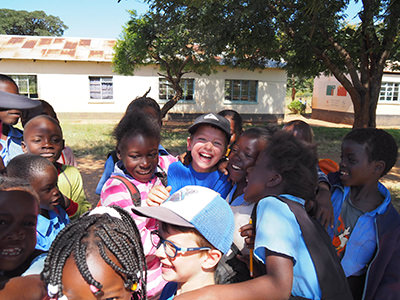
(114,230)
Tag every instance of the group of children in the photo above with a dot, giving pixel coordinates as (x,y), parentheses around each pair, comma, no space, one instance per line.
(228,219)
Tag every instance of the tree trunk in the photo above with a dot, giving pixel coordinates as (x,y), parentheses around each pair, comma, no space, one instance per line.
(171,103)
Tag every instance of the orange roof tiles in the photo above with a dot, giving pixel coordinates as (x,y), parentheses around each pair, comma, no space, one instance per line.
(56,48)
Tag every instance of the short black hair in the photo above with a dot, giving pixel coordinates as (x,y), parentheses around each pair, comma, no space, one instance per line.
(143,102)
(258,133)
(305,130)
(6,78)
(120,236)
(379,145)
(134,123)
(51,119)
(296,162)
(8,183)
(27,165)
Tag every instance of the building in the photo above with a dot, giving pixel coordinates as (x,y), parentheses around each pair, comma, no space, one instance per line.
(75,76)
(331,102)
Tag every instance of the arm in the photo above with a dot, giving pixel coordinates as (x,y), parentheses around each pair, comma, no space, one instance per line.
(276,284)
(324,208)
(23,288)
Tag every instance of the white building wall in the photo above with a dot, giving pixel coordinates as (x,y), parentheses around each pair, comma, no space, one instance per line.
(65,85)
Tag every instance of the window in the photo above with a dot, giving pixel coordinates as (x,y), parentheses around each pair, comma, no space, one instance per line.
(101,88)
(389,91)
(27,85)
(330,90)
(166,92)
(241,90)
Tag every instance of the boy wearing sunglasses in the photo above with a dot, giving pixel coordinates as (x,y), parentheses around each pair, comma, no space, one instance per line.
(195,229)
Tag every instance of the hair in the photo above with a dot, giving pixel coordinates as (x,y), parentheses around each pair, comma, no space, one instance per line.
(379,145)
(51,119)
(8,79)
(27,165)
(296,162)
(40,110)
(136,123)
(236,117)
(300,129)
(261,133)
(8,184)
(113,229)
(143,102)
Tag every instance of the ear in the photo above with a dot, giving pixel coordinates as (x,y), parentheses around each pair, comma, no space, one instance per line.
(379,167)
(211,259)
(274,180)
(118,153)
(24,148)
(189,144)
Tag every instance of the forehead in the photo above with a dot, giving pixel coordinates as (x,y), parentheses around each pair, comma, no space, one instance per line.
(139,140)
(42,125)
(353,146)
(17,202)
(9,87)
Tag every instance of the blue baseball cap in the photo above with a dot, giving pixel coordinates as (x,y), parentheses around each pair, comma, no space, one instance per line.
(200,208)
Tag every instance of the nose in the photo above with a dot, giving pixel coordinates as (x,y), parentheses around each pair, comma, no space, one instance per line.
(16,234)
(145,163)
(55,191)
(208,145)
(160,253)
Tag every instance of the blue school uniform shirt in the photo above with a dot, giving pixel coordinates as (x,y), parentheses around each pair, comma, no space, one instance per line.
(277,230)
(47,229)
(109,169)
(169,291)
(180,175)
(11,147)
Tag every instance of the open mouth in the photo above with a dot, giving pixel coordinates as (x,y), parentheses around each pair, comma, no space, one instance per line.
(236,168)
(344,173)
(144,173)
(47,155)
(11,252)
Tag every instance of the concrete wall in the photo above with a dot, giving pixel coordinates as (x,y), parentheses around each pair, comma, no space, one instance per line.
(66,86)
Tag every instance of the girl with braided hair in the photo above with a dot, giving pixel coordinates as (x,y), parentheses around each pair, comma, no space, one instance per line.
(99,256)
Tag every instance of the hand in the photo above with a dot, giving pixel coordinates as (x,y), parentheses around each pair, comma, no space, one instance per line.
(248,232)
(324,209)
(222,167)
(158,195)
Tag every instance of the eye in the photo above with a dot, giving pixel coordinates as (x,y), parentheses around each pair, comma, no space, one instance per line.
(56,140)
(36,140)
(217,143)
(134,156)
(30,224)
(3,222)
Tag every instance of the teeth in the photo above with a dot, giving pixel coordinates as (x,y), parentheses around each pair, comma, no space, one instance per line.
(11,251)
(235,167)
(205,155)
(46,154)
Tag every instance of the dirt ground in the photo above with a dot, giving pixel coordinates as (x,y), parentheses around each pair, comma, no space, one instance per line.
(92,170)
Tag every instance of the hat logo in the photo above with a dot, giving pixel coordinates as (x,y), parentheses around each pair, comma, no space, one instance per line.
(211,116)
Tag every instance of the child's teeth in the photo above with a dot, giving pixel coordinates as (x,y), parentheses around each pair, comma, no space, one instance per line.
(11,251)
(235,167)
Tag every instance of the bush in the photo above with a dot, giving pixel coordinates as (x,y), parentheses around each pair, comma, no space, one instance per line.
(297,107)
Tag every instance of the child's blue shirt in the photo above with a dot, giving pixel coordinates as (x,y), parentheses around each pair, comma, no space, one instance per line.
(362,243)
(47,229)
(169,291)
(180,175)
(11,147)
(277,230)
(239,200)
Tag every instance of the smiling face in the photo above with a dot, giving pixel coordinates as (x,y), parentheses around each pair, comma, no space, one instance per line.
(76,288)
(10,116)
(139,155)
(207,146)
(43,137)
(355,168)
(45,185)
(244,155)
(18,217)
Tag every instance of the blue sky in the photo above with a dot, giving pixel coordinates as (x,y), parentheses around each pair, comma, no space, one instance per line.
(97,18)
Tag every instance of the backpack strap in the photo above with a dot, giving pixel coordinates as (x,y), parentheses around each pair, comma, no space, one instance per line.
(160,173)
(133,190)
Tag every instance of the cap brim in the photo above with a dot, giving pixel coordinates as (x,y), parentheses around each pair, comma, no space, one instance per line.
(14,101)
(162,214)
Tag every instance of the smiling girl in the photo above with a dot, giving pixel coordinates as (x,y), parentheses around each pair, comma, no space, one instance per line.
(138,137)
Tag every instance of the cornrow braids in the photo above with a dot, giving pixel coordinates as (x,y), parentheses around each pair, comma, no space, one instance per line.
(112,229)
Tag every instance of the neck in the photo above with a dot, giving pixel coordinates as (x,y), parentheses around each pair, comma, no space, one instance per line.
(366,197)
(239,189)
(200,280)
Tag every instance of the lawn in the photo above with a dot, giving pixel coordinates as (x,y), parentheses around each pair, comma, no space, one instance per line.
(94,141)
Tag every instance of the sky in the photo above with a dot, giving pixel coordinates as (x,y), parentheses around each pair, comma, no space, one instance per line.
(99,18)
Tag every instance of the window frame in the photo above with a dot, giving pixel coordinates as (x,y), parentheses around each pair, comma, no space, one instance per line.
(19,81)
(240,84)
(184,81)
(102,91)
(395,89)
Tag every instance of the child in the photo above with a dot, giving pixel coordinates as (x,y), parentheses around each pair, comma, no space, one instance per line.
(366,230)
(207,144)
(142,104)
(43,136)
(235,121)
(287,168)
(67,157)
(99,256)
(18,257)
(11,105)
(196,228)
(42,176)
(138,139)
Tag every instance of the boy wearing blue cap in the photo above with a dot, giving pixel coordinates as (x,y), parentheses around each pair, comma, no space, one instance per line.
(195,230)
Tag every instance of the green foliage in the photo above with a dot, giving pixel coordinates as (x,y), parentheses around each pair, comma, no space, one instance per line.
(21,22)
(297,107)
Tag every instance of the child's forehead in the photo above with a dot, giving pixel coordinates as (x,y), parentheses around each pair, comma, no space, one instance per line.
(13,198)
(42,124)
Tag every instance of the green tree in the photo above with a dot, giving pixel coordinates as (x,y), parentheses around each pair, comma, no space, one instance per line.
(169,37)
(21,22)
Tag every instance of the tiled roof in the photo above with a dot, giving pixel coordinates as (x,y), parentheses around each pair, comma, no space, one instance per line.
(56,48)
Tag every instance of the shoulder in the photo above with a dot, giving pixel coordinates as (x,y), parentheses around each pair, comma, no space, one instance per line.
(169,291)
